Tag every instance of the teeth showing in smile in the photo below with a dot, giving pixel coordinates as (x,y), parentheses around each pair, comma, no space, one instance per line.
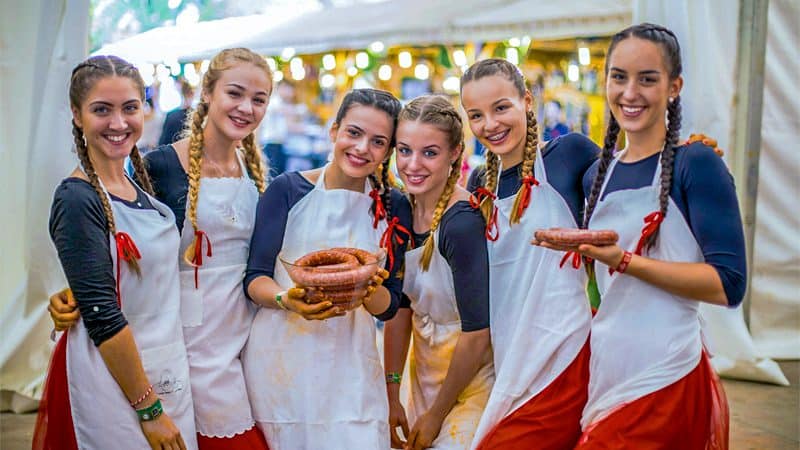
(119,138)
(632,109)
(497,137)
(415,179)
(357,159)
(239,121)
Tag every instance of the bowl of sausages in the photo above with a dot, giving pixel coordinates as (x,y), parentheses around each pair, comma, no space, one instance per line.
(572,238)
(342,275)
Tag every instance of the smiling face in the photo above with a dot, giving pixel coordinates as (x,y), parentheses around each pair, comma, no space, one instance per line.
(361,140)
(496,113)
(111,117)
(238,101)
(638,86)
(424,157)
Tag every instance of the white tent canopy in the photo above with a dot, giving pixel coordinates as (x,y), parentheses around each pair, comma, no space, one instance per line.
(179,43)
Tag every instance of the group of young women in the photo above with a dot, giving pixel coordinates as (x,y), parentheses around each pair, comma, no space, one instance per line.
(505,351)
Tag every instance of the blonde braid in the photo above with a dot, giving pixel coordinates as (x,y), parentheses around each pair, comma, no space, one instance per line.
(195,160)
(141,173)
(94,180)
(528,158)
(490,175)
(441,205)
(256,166)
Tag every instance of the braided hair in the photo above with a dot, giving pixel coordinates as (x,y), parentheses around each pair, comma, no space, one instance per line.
(671,50)
(195,125)
(84,77)
(436,110)
(501,67)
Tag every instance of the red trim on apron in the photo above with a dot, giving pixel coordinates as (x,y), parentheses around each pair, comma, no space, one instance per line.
(551,419)
(690,414)
(252,439)
(54,429)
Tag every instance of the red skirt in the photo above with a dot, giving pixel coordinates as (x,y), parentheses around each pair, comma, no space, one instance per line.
(690,414)
(551,419)
(252,439)
(54,429)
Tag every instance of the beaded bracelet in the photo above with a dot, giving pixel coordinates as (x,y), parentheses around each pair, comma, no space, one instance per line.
(394,377)
(626,260)
(144,396)
(151,412)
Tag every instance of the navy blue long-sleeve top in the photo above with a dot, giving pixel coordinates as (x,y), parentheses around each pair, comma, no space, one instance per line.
(272,214)
(463,246)
(79,230)
(169,180)
(705,194)
(566,159)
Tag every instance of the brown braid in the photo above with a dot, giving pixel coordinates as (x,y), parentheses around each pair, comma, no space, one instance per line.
(84,77)
(667,163)
(141,172)
(528,159)
(256,166)
(606,156)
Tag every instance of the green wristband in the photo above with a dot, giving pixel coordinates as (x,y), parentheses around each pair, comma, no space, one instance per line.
(151,412)
(279,300)
(394,377)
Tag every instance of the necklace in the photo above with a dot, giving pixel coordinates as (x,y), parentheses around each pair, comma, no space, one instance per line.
(231,171)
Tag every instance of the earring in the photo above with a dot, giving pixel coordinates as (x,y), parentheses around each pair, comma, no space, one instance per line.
(671,99)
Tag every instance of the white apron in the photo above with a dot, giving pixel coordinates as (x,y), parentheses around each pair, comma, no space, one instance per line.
(102,415)
(539,315)
(436,327)
(643,338)
(319,384)
(216,314)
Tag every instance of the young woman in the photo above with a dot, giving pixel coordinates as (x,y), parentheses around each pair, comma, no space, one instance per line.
(213,187)
(446,287)
(317,383)
(119,377)
(681,242)
(539,314)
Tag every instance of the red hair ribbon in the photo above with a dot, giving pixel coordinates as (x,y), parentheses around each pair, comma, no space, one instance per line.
(651,223)
(126,251)
(576,259)
(475,200)
(391,236)
(197,260)
(380,210)
(527,184)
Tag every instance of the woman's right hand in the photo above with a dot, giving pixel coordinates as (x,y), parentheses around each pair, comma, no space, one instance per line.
(397,418)
(63,309)
(162,434)
(296,303)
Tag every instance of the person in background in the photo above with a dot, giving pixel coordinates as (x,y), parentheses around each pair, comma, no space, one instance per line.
(283,131)
(554,125)
(175,120)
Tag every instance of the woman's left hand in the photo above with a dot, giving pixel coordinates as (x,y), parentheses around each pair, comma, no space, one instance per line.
(424,432)
(610,255)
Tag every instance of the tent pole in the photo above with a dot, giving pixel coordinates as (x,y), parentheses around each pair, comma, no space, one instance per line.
(748,107)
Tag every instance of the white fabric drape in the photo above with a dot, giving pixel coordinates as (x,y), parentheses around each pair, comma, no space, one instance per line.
(41,41)
(707,30)
(775,307)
